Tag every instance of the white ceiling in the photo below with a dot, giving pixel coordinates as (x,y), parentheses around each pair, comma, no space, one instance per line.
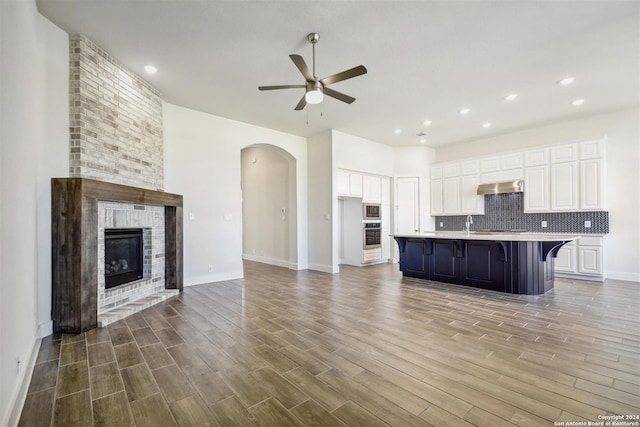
(425,60)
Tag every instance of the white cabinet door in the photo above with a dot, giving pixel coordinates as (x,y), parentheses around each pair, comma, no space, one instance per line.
(451,170)
(471,202)
(537,157)
(436,172)
(371,189)
(511,161)
(451,196)
(437,206)
(470,167)
(592,149)
(564,186)
(536,189)
(564,153)
(355,185)
(591,191)
(489,164)
(566,260)
(342,183)
(590,260)
(407,197)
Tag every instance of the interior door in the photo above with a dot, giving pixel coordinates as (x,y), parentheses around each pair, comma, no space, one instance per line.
(407,206)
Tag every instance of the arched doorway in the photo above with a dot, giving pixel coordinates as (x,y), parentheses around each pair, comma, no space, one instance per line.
(269,214)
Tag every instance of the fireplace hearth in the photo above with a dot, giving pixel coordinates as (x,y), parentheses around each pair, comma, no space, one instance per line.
(123,256)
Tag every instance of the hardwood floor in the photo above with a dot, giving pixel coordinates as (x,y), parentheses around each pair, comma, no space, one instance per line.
(361,348)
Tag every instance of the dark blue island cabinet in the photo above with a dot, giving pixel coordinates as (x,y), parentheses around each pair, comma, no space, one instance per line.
(498,263)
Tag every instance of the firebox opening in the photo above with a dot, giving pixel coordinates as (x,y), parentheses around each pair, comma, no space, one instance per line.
(123,256)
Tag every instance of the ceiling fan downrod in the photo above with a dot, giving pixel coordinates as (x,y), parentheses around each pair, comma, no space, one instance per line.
(313,39)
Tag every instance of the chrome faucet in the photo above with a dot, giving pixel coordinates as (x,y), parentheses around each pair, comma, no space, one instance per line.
(468,223)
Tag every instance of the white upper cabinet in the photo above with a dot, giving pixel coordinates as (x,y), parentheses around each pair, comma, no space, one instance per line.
(511,161)
(451,170)
(451,196)
(564,153)
(592,149)
(471,202)
(537,157)
(591,191)
(342,183)
(348,184)
(437,207)
(470,167)
(564,187)
(371,191)
(490,164)
(536,189)
(436,172)
(385,188)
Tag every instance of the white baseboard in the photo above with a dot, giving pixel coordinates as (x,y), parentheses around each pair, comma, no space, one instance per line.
(270,261)
(201,280)
(623,275)
(12,416)
(323,268)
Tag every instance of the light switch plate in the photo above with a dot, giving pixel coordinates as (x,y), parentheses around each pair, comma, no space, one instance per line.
(544,224)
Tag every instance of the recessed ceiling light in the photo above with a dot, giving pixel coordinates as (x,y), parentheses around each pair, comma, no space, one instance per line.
(150,69)
(577,102)
(464,111)
(486,125)
(397,131)
(427,123)
(423,140)
(567,80)
(511,97)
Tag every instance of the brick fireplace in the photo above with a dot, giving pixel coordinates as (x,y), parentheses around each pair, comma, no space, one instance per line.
(79,207)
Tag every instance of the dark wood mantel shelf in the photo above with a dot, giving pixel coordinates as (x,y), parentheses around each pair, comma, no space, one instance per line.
(74,239)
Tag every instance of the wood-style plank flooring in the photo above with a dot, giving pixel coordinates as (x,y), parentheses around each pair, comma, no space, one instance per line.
(361,348)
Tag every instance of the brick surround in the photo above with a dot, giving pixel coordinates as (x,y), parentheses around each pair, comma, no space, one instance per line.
(151,220)
(115,120)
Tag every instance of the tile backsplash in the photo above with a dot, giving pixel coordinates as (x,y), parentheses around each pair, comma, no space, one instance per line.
(506,212)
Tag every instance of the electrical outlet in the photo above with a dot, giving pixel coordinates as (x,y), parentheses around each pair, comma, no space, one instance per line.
(441,225)
(210,268)
(587,224)
(544,224)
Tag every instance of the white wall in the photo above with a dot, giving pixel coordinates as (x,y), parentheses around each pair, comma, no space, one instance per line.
(202,162)
(268,205)
(622,252)
(33,100)
(362,155)
(322,208)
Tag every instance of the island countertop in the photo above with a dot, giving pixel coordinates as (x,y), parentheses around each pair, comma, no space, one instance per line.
(492,236)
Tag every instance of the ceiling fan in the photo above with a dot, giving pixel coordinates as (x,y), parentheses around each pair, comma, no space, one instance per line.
(317,88)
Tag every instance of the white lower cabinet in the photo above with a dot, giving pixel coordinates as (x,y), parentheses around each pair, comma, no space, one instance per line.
(581,259)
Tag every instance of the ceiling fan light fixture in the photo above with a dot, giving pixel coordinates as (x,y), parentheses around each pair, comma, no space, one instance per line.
(314,96)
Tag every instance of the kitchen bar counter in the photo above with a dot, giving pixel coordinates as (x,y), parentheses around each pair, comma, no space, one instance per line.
(518,263)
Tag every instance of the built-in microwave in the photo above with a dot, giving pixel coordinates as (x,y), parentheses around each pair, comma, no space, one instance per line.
(371,211)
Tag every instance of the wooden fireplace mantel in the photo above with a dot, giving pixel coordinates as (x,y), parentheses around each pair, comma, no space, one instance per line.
(74,240)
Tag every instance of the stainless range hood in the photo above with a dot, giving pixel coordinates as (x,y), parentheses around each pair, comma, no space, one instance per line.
(516,186)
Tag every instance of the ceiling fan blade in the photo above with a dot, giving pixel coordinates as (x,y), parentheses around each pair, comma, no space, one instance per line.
(281,87)
(338,95)
(302,66)
(348,74)
(301,104)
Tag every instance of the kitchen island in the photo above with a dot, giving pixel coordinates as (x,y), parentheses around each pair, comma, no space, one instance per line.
(517,263)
